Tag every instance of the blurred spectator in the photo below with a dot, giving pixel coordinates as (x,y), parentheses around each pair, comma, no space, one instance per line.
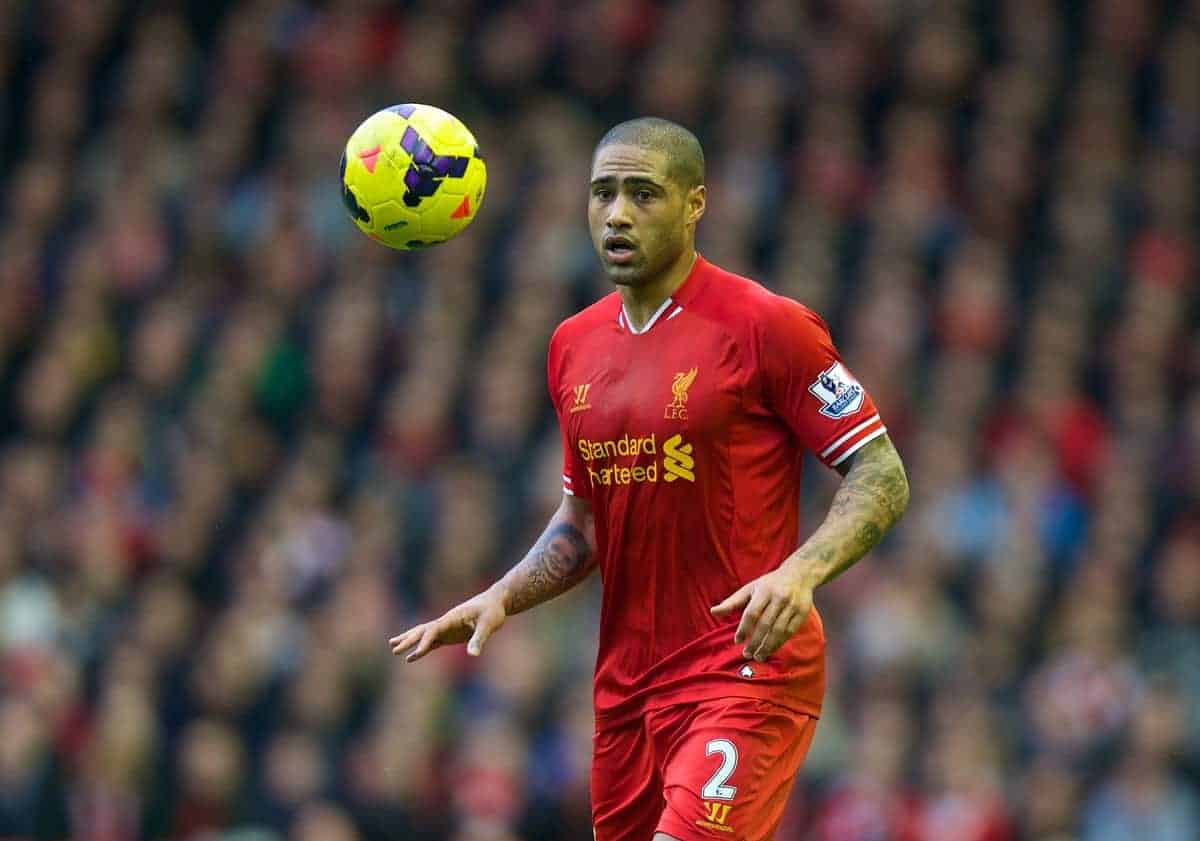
(1145,797)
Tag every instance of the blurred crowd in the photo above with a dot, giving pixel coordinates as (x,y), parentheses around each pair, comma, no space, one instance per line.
(241,445)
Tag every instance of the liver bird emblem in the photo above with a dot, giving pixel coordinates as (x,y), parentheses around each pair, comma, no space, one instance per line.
(683,381)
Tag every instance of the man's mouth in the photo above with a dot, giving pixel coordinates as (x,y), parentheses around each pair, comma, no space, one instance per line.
(619,249)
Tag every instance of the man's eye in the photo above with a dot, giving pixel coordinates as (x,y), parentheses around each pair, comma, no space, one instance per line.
(643,195)
(602,194)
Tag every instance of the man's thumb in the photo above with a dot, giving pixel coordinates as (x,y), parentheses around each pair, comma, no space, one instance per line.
(740,598)
(483,630)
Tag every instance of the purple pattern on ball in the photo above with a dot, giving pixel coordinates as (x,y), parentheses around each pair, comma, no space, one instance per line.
(427,170)
(410,139)
(403,110)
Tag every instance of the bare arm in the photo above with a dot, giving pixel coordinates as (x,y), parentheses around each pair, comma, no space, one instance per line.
(562,557)
(872,497)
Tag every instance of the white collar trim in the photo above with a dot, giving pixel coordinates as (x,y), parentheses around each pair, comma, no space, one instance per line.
(627,322)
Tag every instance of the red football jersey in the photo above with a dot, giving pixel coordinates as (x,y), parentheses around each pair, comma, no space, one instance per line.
(687,437)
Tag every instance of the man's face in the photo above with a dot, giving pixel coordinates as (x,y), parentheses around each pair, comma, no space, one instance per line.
(639,218)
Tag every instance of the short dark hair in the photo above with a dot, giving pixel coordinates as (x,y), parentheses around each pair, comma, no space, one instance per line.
(685,158)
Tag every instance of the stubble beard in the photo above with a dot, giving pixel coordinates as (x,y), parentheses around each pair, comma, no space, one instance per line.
(626,276)
(633,274)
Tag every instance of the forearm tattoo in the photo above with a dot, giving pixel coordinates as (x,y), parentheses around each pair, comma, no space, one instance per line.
(559,560)
(870,500)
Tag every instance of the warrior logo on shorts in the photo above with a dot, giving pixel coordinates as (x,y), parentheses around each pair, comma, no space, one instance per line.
(716,815)
(839,393)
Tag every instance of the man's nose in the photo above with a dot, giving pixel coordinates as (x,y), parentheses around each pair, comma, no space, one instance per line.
(618,213)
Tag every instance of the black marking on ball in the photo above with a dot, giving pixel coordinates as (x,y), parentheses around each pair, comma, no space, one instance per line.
(348,198)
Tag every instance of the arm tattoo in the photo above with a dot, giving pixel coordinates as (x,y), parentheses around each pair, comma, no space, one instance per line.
(559,560)
(872,497)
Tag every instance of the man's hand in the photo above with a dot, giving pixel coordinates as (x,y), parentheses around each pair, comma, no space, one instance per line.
(776,605)
(474,620)
(561,558)
(869,501)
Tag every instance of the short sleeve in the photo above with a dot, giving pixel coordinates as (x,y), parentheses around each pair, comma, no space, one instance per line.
(810,388)
(574,472)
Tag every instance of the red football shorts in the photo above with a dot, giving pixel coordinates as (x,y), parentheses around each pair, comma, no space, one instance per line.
(719,770)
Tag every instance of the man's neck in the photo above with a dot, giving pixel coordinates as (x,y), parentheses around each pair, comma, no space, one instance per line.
(642,302)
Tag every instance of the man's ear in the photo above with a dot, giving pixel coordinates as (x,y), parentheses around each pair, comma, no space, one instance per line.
(696,198)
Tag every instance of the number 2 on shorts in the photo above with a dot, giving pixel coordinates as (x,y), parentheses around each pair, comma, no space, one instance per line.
(715,788)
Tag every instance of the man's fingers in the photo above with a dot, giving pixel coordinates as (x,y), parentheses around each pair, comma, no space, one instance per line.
(430,640)
(404,641)
(750,617)
(790,621)
(781,631)
(419,647)
(739,598)
(471,622)
(794,624)
(766,622)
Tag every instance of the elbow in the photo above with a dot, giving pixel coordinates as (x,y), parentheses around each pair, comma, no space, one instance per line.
(879,472)
(903,495)
(896,491)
